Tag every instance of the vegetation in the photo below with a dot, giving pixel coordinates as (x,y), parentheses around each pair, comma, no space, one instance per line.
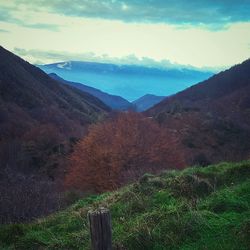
(197,208)
(44,126)
(120,150)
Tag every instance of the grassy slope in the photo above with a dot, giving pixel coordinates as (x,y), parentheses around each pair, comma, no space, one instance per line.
(198,208)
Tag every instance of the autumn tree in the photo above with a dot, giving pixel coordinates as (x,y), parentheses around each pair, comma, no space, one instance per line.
(119,150)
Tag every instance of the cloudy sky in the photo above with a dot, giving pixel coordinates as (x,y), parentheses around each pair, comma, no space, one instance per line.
(199,33)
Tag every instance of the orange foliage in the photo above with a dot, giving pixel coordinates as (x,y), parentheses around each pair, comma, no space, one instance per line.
(120,150)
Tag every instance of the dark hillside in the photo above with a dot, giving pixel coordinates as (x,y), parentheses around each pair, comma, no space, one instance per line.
(40,120)
(31,90)
(213,117)
(147,101)
(218,86)
(29,98)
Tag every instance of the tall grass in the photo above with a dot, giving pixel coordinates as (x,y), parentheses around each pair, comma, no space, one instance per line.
(198,208)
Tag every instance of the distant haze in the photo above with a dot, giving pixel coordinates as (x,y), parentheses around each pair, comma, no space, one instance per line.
(130,82)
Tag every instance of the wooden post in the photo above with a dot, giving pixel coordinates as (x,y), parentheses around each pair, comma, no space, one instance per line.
(100,229)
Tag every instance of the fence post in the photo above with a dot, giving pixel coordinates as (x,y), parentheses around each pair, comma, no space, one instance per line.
(100,229)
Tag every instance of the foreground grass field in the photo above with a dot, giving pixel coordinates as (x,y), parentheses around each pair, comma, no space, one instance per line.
(197,208)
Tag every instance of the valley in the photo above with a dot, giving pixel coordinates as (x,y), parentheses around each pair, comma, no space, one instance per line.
(124,125)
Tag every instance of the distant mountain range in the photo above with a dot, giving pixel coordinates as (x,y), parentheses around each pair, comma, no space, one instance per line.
(128,81)
(147,101)
(212,118)
(114,102)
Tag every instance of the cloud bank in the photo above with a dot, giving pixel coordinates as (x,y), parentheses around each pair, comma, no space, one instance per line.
(64,56)
(202,33)
(213,14)
(8,15)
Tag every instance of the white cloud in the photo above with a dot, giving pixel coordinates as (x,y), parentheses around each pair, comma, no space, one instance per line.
(161,42)
(213,14)
(46,57)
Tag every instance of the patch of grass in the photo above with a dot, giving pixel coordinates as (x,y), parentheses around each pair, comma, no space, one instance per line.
(236,198)
(197,208)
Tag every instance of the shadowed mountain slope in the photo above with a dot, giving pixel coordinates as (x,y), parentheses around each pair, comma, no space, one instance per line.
(190,209)
(212,117)
(33,105)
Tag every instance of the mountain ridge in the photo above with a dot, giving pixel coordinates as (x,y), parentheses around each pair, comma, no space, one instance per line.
(212,118)
(30,100)
(147,101)
(114,102)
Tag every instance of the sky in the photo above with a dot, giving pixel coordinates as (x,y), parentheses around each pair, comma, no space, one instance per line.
(166,33)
